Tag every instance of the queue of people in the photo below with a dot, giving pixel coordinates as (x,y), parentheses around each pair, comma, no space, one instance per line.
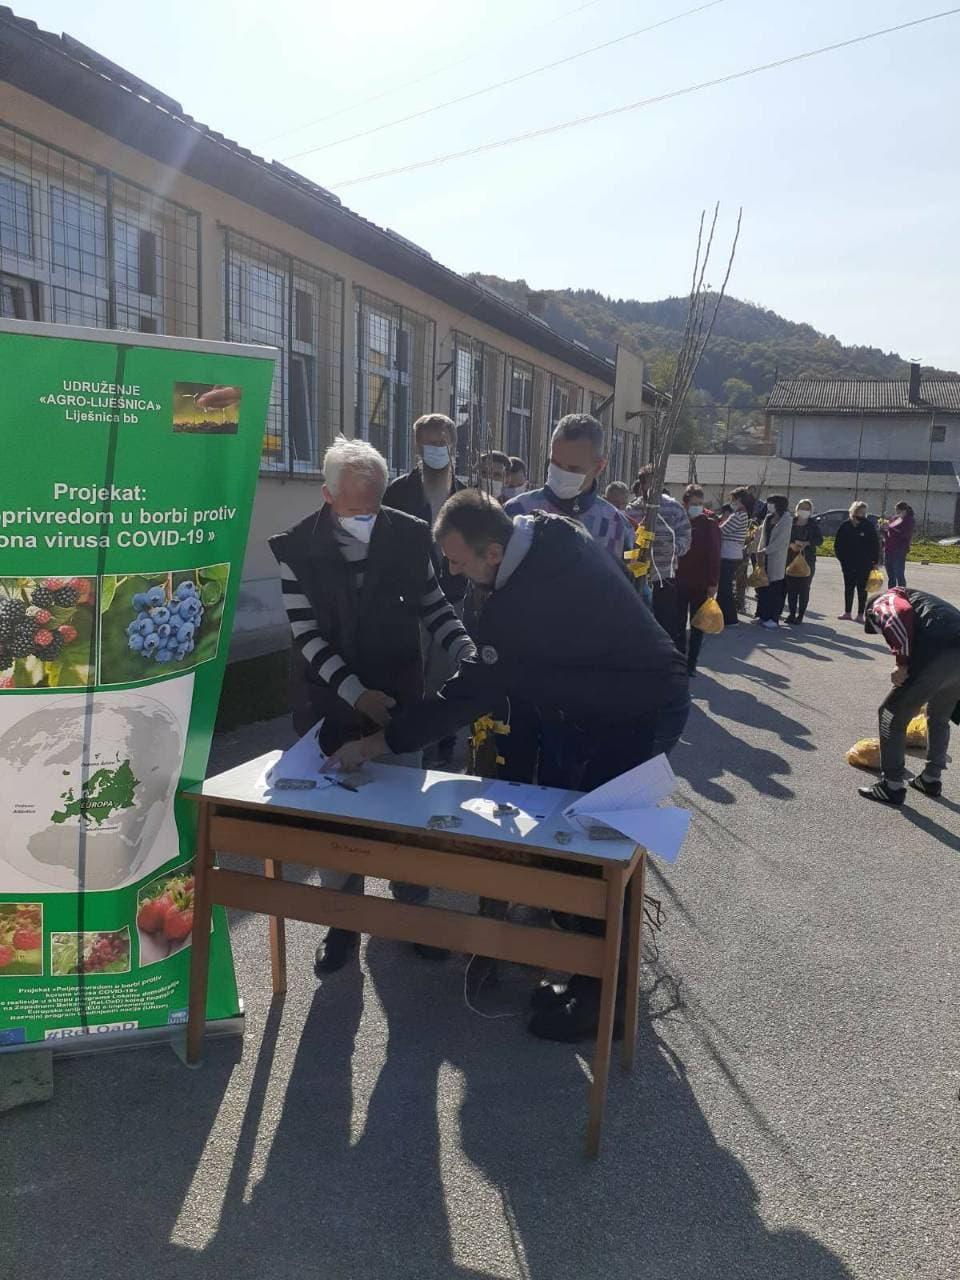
(419,606)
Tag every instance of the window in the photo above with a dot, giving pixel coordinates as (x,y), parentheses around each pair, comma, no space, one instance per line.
(16,217)
(18,299)
(565,397)
(618,455)
(519,410)
(91,247)
(938,433)
(282,302)
(394,382)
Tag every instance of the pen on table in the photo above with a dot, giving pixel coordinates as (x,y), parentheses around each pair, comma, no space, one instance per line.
(347,786)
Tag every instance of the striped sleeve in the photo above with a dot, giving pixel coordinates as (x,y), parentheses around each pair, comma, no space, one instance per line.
(438,616)
(324,661)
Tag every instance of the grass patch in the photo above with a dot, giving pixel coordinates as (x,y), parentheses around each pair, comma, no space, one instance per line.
(254,689)
(929,551)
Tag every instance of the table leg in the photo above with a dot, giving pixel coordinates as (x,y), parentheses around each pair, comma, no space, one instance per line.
(278,934)
(200,946)
(635,891)
(608,997)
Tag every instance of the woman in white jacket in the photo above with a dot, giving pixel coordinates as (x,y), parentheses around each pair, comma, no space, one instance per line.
(773,550)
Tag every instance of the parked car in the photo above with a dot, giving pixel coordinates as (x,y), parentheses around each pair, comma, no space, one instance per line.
(830,521)
(948,542)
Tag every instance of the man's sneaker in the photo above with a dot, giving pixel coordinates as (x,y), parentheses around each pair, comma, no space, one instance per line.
(550,996)
(860,618)
(335,950)
(770,624)
(921,784)
(883,793)
(844,617)
(573,1021)
(791,620)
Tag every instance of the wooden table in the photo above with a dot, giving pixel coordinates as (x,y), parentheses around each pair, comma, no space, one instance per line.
(383,830)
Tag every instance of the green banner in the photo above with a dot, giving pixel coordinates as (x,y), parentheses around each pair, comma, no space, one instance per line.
(129,464)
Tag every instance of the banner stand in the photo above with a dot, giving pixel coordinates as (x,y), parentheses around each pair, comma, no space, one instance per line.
(129,467)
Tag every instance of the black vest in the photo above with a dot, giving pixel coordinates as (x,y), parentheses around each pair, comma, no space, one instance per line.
(376,630)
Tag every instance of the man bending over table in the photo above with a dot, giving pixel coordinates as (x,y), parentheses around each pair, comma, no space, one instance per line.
(564,635)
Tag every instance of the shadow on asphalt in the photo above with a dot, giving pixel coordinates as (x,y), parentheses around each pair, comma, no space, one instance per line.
(664,1199)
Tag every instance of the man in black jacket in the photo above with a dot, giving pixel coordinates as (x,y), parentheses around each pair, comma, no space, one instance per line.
(358,583)
(424,490)
(923,633)
(565,635)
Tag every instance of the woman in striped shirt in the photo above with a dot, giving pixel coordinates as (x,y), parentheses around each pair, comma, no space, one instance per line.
(733,534)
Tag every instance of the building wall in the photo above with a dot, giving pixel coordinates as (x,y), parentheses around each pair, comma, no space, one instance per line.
(282,498)
(899,438)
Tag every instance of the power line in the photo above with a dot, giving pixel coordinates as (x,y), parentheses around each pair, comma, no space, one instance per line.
(501,84)
(408,84)
(644,102)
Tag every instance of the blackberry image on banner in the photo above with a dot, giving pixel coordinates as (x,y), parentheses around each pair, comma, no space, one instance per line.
(43,597)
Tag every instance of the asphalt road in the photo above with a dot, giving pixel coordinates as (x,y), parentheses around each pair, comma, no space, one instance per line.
(794,1113)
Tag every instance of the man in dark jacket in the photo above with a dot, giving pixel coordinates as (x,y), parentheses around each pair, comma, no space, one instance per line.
(923,633)
(564,634)
(422,493)
(358,583)
(424,490)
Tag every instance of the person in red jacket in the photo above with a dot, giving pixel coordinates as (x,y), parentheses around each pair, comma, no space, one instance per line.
(698,572)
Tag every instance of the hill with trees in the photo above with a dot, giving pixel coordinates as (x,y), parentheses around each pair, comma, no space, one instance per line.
(751,345)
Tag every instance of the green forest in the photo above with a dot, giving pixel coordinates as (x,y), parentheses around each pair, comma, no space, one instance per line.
(750,349)
(751,345)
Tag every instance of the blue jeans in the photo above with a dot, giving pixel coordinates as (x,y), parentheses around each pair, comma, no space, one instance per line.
(896,569)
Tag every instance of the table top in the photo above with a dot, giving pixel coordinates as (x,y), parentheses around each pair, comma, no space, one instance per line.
(396,798)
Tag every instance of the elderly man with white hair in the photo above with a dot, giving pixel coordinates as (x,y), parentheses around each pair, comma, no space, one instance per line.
(358,580)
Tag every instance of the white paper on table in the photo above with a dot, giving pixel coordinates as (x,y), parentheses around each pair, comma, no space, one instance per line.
(302,761)
(660,831)
(529,806)
(647,784)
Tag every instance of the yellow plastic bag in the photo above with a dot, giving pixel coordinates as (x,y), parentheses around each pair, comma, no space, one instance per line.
(875,581)
(917,731)
(708,618)
(798,567)
(758,578)
(865,754)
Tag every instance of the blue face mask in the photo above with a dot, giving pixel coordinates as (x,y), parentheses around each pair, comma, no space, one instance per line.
(361,527)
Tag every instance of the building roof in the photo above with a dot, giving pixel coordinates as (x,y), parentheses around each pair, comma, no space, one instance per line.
(863,395)
(81,82)
(774,474)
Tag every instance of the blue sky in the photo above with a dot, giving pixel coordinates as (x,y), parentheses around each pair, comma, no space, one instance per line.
(846,166)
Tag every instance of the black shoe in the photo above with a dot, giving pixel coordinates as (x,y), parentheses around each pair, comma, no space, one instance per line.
(572,1022)
(426,952)
(798,621)
(691,672)
(335,950)
(549,996)
(791,621)
(919,783)
(884,794)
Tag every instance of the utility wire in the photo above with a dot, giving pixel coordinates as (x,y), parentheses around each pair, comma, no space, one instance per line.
(428,75)
(502,84)
(644,102)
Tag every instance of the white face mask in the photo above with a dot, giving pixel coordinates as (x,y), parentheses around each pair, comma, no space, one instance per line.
(803,516)
(511,491)
(565,484)
(361,527)
(693,512)
(771,509)
(436,456)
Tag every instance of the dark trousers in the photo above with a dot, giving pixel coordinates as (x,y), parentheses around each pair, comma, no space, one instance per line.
(855,579)
(689,638)
(896,569)
(665,605)
(770,601)
(798,595)
(936,685)
(726,598)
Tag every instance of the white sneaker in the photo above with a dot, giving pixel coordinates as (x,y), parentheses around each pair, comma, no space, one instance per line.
(770,624)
